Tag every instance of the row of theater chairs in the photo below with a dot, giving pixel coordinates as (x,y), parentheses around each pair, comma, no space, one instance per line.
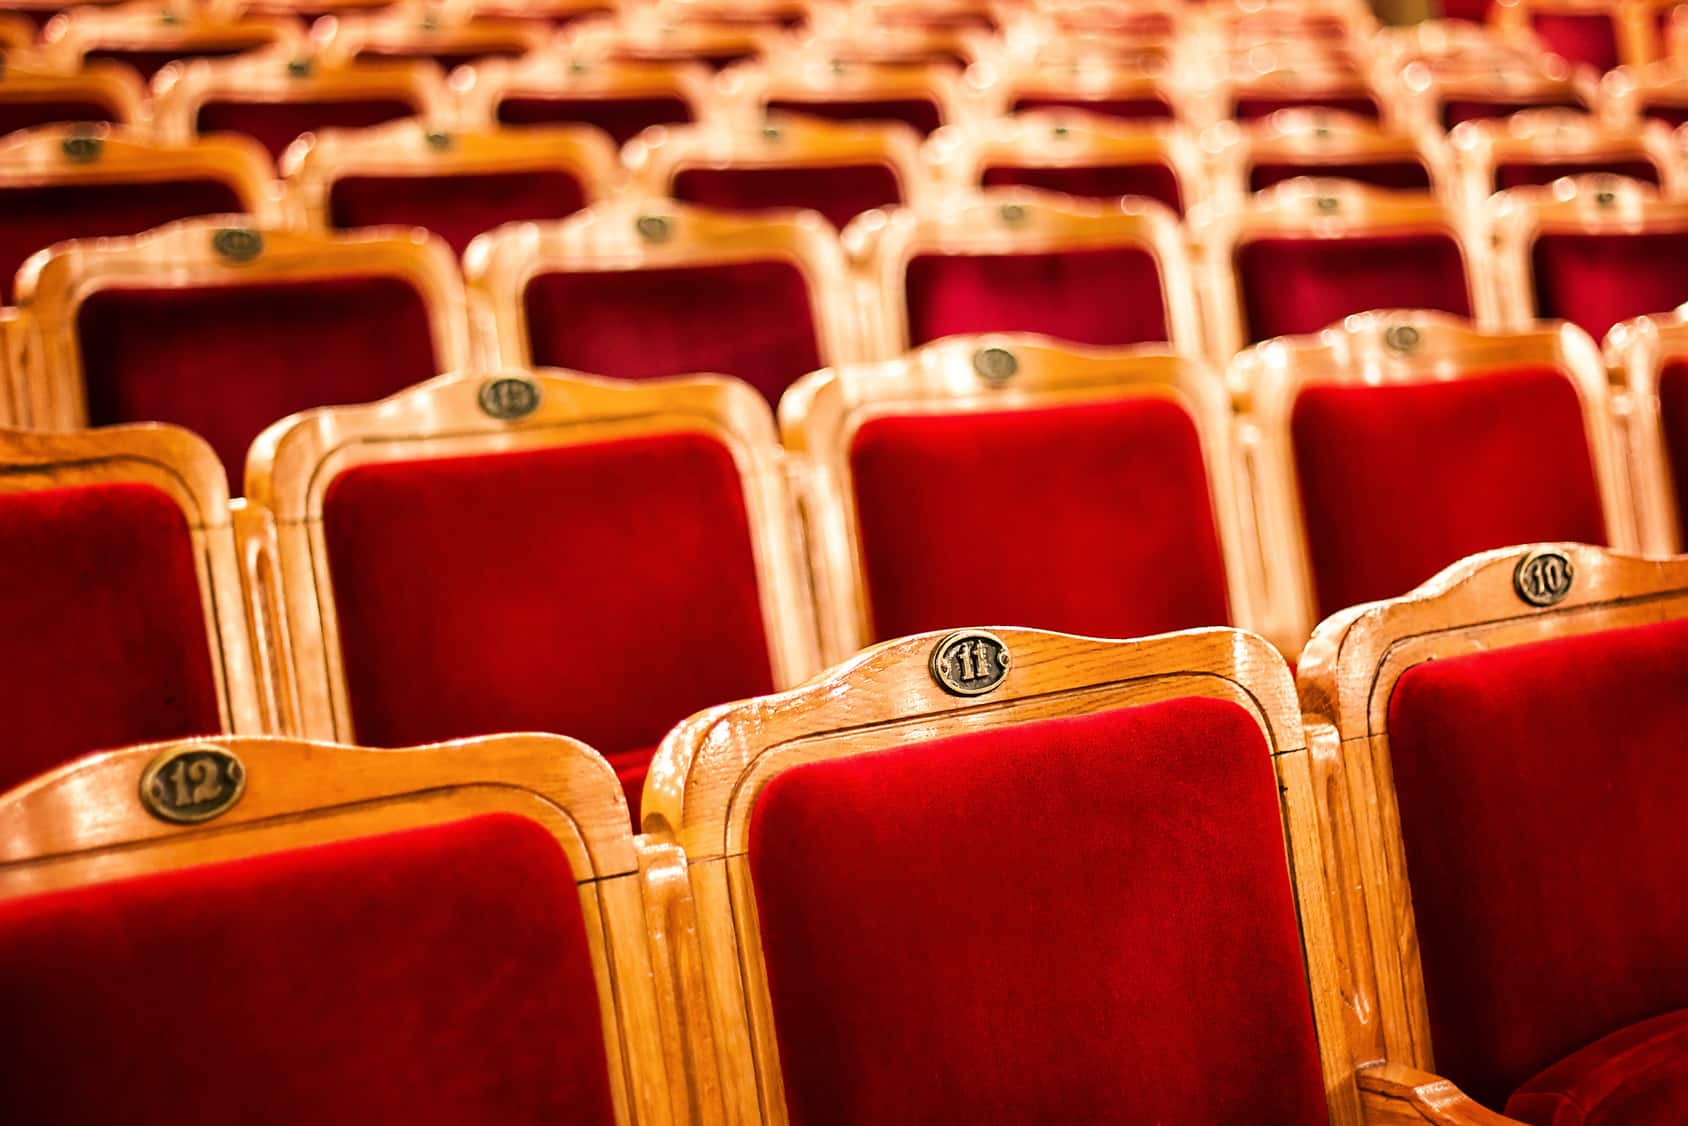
(989,875)
(620,554)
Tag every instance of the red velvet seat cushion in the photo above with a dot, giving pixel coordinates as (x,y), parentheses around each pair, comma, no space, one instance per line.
(922,114)
(1293,285)
(1542,793)
(753,320)
(275,125)
(1596,281)
(1673,422)
(1150,107)
(1399,481)
(622,118)
(1637,1076)
(148,63)
(606,591)
(1100,520)
(1082,919)
(1590,37)
(1252,107)
(1152,180)
(1404,175)
(1517,174)
(435,975)
(839,192)
(103,637)
(1472,108)
(33,218)
(457,208)
(226,361)
(17,113)
(1110,295)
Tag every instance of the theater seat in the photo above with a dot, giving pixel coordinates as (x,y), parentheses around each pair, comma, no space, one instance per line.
(1091,86)
(1540,146)
(223,328)
(36,93)
(620,98)
(450,38)
(1637,1076)
(660,574)
(921,97)
(638,294)
(1648,358)
(148,36)
(1331,145)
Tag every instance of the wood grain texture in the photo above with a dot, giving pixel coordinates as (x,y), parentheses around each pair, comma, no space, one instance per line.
(1636,354)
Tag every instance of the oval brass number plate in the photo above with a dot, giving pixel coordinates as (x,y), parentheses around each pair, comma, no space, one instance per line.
(1544,577)
(970,662)
(192,783)
(509,398)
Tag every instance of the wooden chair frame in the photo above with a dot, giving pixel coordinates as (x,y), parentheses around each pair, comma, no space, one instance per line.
(636,234)
(158,25)
(195,252)
(645,39)
(1316,209)
(294,462)
(316,162)
(747,88)
(1294,80)
(710,770)
(17,33)
(1086,78)
(1634,22)
(31,78)
(1317,138)
(1391,348)
(1627,91)
(1593,205)
(1427,91)
(12,336)
(181,465)
(896,44)
(1636,352)
(414,34)
(1012,221)
(276,77)
(782,140)
(1547,136)
(821,414)
(84,824)
(1063,138)
(548,74)
(1346,677)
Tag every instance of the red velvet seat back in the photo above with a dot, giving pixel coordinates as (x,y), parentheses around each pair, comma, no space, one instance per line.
(1083,919)
(840,192)
(1400,174)
(436,975)
(753,320)
(1673,114)
(1473,108)
(1294,285)
(458,207)
(148,63)
(1673,423)
(1517,174)
(921,114)
(1086,296)
(447,60)
(622,118)
(1251,107)
(1151,179)
(18,114)
(102,632)
(1101,523)
(1151,107)
(275,125)
(226,361)
(1595,281)
(1399,481)
(607,591)
(1542,792)
(32,218)
(1590,37)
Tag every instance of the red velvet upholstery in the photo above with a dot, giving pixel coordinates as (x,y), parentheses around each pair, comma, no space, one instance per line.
(1470,108)
(1581,37)
(1673,114)
(1251,107)
(1399,481)
(1406,175)
(458,207)
(1673,421)
(1075,542)
(20,114)
(840,192)
(436,975)
(447,60)
(1090,296)
(753,320)
(36,217)
(1150,179)
(1637,1076)
(1517,174)
(1542,799)
(148,63)
(607,592)
(1082,919)
(1294,285)
(275,125)
(1598,280)
(226,361)
(922,114)
(622,118)
(1152,107)
(102,635)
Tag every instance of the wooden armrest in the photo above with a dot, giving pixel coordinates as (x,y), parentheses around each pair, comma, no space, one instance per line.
(1393,1094)
(694,1088)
